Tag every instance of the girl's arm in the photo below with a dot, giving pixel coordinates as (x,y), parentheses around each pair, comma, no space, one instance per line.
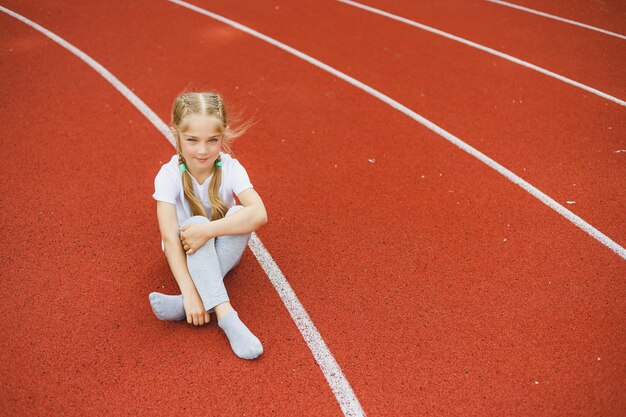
(244,221)
(168,224)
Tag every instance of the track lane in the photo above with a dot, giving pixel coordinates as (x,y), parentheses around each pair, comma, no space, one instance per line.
(79,331)
(560,139)
(441,349)
(485,49)
(608,15)
(590,58)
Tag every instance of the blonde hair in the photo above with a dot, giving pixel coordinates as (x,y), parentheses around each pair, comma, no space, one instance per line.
(206,104)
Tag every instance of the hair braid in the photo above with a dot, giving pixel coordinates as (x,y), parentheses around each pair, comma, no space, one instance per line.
(186,102)
(195,204)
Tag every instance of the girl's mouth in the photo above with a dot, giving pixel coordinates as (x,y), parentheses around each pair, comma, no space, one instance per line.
(202,160)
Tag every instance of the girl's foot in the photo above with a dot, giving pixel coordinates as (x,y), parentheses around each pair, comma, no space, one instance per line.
(167,307)
(242,341)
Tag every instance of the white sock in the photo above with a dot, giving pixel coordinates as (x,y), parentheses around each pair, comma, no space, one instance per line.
(242,341)
(167,307)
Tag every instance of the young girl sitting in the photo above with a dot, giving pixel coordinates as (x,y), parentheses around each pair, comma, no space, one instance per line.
(196,185)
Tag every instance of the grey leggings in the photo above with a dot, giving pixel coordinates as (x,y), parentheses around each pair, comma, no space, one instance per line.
(209,264)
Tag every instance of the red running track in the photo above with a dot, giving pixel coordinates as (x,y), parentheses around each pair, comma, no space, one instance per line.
(559,138)
(583,55)
(82,252)
(608,14)
(425,305)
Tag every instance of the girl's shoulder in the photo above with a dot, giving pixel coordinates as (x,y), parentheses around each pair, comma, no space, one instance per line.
(169,172)
(171,166)
(167,182)
(229,161)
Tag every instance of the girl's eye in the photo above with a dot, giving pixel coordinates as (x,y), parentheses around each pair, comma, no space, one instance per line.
(195,140)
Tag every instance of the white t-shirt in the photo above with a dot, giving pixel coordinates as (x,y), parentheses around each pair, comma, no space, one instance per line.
(168,186)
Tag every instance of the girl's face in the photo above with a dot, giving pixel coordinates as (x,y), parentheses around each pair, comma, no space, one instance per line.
(201,143)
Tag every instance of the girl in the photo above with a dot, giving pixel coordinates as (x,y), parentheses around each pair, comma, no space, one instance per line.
(196,185)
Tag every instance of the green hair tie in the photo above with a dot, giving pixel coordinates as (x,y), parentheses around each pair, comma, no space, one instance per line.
(218,163)
(182,167)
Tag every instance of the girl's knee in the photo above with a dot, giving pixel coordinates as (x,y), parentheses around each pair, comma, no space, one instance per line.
(195,220)
(233,209)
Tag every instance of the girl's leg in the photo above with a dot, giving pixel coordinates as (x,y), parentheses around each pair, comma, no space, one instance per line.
(205,270)
(229,250)
(206,273)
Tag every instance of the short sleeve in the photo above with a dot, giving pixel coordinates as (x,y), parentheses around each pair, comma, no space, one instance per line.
(166,188)
(239,178)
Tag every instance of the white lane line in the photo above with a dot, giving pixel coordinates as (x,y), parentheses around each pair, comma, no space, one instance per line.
(583,225)
(119,86)
(335,377)
(486,49)
(551,16)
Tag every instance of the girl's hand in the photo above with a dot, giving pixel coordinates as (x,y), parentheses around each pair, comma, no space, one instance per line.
(194,236)
(194,309)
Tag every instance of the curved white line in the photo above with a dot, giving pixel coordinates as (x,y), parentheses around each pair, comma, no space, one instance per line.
(583,225)
(338,383)
(335,377)
(488,50)
(551,16)
(119,86)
